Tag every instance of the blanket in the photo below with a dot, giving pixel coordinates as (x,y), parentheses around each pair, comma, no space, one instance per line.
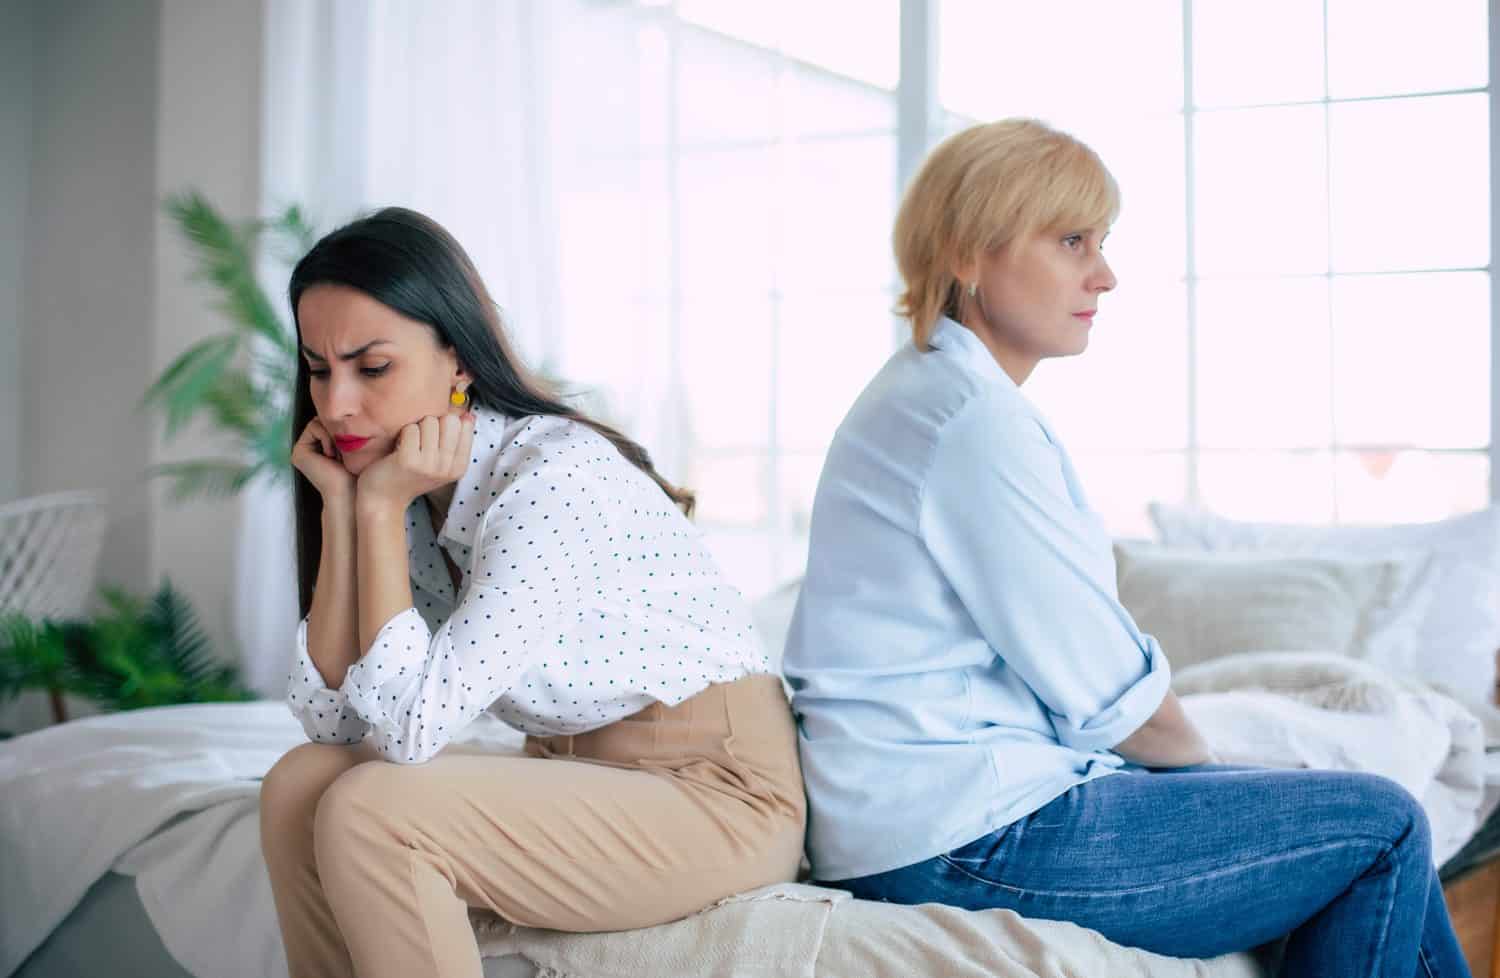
(1317,710)
(795,931)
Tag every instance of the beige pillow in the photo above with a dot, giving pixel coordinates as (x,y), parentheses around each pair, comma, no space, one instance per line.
(1202,606)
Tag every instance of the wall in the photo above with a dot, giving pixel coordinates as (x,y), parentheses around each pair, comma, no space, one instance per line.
(117,104)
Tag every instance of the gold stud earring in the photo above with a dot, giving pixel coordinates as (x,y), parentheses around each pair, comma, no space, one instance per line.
(459,399)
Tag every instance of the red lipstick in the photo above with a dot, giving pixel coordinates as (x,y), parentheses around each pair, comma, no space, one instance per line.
(350,443)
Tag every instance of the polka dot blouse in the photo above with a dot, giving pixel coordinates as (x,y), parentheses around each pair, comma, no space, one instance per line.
(585,596)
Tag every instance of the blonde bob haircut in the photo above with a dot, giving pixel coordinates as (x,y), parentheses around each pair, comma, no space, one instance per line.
(982,189)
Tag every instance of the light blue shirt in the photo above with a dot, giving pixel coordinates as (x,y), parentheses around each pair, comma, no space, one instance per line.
(959,656)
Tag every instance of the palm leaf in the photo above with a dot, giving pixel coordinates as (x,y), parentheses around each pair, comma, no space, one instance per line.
(253,403)
(225,257)
(234,403)
(180,638)
(204,477)
(182,389)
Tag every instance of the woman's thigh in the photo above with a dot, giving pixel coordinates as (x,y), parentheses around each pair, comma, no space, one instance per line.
(1193,864)
(564,844)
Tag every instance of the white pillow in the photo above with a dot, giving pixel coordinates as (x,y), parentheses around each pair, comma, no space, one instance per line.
(1202,606)
(1460,634)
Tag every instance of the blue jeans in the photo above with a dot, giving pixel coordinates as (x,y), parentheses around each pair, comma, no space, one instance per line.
(1197,862)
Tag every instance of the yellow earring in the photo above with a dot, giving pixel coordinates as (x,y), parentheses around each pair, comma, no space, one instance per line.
(458,399)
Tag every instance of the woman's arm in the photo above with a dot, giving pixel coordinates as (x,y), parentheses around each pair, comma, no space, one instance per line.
(332,636)
(384,579)
(1036,574)
(1168,739)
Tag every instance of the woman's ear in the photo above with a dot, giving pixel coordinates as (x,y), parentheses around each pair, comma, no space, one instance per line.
(966,271)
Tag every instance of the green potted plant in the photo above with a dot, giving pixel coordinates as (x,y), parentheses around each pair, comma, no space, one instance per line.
(240,379)
(134,654)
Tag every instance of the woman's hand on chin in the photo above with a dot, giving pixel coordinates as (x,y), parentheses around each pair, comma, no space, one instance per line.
(315,457)
(429,454)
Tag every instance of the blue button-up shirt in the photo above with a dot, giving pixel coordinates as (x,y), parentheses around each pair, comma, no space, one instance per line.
(959,656)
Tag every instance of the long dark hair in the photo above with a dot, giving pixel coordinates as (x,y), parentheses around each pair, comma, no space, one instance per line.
(409,263)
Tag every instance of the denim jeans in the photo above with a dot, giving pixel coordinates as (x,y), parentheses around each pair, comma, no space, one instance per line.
(1197,862)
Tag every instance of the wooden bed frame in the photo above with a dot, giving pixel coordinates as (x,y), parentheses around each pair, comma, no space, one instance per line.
(1474,904)
(1474,900)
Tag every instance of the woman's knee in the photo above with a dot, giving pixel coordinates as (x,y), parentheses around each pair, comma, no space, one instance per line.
(1382,807)
(356,804)
(290,791)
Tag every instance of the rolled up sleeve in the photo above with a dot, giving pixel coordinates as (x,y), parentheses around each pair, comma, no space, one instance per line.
(418,686)
(325,714)
(1035,571)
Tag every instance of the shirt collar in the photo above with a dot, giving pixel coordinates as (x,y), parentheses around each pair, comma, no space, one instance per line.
(465,512)
(471,495)
(959,341)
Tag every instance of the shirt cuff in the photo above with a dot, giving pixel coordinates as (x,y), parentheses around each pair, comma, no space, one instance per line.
(325,714)
(395,657)
(1130,710)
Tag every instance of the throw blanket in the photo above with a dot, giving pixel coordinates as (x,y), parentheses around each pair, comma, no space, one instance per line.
(1316,710)
(793,931)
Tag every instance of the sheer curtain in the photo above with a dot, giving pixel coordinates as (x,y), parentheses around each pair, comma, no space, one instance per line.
(683,209)
(439,107)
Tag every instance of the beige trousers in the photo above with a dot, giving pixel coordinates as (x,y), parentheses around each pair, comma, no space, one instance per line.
(373,865)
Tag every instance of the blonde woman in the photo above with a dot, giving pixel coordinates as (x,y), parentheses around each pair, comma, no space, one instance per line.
(981,722)
(468,544)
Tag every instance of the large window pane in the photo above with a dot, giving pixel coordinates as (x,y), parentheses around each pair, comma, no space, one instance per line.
(746,557)
(1263,364)
(630,113)
(1411,359)
(731,489)
(820,103)
(860,39)
(798,475)
(728,212)
(830,346)
(1119,486)
(856,38)
(839,204)
(1276,486)
(1411,183)
(1389,47)
(1145,155)
(1236,44)
(1061,62)
(1261,191)
(1128,390)
(1410,486)
(726,371)
(614,227)
(715,71)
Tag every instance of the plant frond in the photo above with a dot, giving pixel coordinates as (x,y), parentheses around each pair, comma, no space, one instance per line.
(203,477)
(182,389)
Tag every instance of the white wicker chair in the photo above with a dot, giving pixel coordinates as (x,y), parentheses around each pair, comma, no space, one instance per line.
(49,553)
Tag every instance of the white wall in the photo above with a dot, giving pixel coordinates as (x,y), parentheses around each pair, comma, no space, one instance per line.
(86,344)
(118,103)
(17,36)
(207,131)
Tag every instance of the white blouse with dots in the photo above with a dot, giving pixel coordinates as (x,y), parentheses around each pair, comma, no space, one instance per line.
(585,596)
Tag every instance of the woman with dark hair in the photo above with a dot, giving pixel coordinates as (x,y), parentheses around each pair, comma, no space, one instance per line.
(467,543)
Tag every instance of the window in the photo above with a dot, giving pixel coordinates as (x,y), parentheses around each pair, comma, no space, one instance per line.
(1302,326)
(685,207)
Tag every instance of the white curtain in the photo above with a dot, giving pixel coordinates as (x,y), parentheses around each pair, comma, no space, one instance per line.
(442,107)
